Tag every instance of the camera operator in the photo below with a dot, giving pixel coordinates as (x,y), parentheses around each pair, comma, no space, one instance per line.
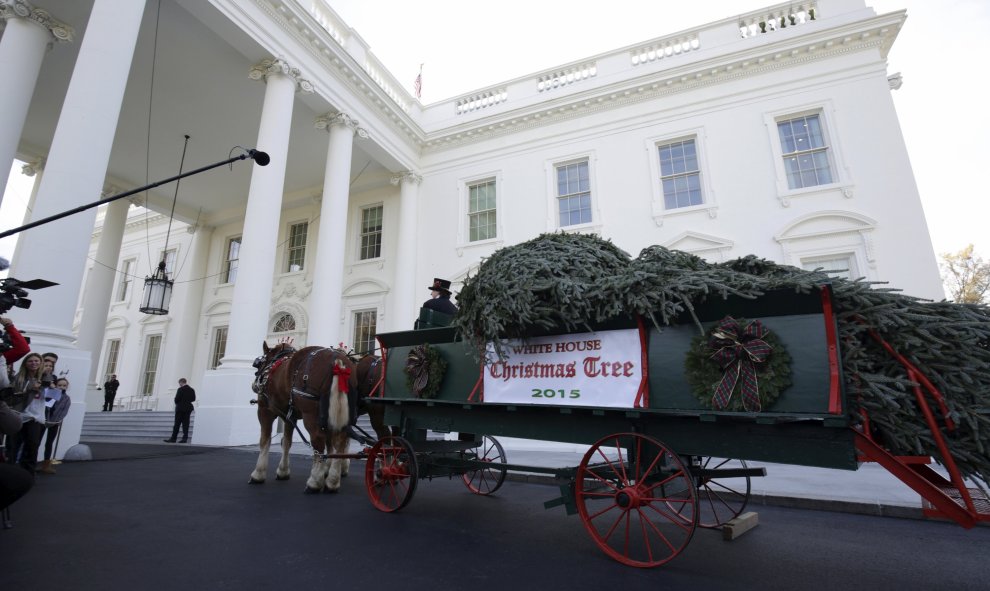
(13,344)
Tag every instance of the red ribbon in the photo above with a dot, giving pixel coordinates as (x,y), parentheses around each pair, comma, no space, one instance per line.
(343,378)
(737,351)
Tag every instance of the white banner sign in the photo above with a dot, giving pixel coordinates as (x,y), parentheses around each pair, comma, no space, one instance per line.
(588,369)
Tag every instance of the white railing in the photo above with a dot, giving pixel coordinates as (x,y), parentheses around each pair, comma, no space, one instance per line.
(139,402)
(328,20)
(664,48)
(566,76)
(777,20)
(481,100)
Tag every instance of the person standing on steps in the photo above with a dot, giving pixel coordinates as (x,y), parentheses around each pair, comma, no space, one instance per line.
(110,392)
(184,398)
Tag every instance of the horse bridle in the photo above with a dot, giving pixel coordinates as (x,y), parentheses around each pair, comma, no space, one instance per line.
(265,370)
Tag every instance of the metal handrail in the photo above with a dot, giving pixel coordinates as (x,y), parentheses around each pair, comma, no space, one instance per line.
(138,402)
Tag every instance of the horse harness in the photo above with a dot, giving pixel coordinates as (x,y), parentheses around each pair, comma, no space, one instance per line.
(301,386)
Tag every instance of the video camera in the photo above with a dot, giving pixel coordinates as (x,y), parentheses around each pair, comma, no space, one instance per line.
(13,292)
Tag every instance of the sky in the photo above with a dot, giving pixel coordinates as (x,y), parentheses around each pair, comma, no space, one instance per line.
(940,105)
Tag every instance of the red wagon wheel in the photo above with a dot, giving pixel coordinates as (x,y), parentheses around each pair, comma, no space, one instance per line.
(391,474)
(636,499)
(489,479)
(721,499)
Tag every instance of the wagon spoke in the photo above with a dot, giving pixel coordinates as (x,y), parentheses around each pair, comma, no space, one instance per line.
(659,533)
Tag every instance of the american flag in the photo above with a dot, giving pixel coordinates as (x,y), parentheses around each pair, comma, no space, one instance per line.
(418,84)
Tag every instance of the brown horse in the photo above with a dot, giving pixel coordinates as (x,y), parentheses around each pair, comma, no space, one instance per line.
(295,384)
(370,385)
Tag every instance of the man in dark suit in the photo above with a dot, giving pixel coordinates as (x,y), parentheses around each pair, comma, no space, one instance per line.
(440,297)
(110,392)
(184,398)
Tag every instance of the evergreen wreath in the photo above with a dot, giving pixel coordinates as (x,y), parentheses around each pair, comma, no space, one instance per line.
(425,368)
(738,366)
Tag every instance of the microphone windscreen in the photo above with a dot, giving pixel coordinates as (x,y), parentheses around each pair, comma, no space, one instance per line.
(4,264)
(262,158)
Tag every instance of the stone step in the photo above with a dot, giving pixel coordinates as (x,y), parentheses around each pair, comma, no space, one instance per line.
(129,426)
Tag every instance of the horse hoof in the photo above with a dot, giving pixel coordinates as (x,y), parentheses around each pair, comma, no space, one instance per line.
(255,481)
(280,477)
(312,491)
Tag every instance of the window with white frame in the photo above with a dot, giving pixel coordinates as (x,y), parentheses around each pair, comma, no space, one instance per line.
(150,373)
(573,193)
(805,150)
(284,323)
(113,353)
(124,282)
(296,250)
(231,260)
(481,211)
(219,346)
(837,265)
(169,258)
(371,232)
(365,329)
(680,174)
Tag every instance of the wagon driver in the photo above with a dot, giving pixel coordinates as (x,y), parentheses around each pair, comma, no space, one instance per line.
(440,297)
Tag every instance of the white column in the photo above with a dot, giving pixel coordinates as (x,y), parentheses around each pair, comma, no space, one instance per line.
(405,305)
(99,290)
(223,415)
(29,33)
(253,288)
(188,297)
(74,174)
(324,310)
(36,168)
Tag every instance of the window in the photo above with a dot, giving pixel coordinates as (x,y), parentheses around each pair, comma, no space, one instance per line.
(805,151)
(481,211)
(229,274)
(285,323)
(151,364)
(365,329)
(169,258)
(124,283)
(371,232)
(219,346)
(574,193)
(843,266)
(113,353)
(680,174)
(297,247)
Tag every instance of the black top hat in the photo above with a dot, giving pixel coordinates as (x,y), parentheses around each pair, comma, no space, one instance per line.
(441,285)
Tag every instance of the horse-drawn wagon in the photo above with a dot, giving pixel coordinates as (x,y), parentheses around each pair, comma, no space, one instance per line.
(648,479)
(666,367)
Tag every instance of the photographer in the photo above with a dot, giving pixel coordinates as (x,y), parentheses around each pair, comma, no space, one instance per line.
(13,344)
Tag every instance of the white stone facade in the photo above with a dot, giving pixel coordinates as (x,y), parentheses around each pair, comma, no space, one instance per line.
(721,90)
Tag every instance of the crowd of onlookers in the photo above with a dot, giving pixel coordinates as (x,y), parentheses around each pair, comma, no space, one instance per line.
(34,400)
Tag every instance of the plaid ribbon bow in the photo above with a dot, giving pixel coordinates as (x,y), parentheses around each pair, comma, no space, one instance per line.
(343,378)
(737,351)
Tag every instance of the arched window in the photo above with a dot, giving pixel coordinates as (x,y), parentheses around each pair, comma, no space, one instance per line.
(285,323)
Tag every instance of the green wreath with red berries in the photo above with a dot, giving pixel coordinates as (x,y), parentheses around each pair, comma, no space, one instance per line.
(738,366)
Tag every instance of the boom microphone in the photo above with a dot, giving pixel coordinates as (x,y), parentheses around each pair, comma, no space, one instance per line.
(262,158)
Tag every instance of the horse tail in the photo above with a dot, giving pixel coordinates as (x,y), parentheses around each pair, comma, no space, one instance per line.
(339,408)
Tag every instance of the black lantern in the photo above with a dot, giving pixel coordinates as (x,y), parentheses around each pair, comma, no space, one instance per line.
(157,292)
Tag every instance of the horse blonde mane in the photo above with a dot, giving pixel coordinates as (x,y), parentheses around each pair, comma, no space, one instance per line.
(339,409)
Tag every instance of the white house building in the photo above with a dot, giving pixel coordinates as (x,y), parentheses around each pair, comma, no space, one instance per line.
(773,133)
